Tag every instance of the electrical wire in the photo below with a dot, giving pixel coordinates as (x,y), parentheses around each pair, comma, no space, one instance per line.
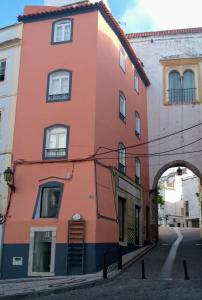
(149,141)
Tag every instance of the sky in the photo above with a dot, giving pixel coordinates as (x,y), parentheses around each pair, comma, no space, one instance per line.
(133,15)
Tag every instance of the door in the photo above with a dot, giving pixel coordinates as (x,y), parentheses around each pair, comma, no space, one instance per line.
(41,252)
(137,225)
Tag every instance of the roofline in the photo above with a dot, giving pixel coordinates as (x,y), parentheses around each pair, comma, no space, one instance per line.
(85,8)
(12,25)
(164,32)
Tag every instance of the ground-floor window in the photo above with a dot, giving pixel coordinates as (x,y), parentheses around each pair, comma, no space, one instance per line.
(42,251)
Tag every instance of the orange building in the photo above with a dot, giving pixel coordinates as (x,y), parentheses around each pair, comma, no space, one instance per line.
(81,102)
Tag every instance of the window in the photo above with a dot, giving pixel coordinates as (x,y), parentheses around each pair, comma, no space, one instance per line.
(181,81)
(2,70)
(122,59)
(62,31)
(55,142)
(122,106)
(59,86)
(48,200)
(181,87)
(137,170)
(122,158)
(121,218)
(136,81)
(137,124)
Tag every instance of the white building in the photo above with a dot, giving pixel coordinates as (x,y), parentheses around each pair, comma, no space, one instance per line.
(10,41)
(190,196)
(172,60)
(10,44)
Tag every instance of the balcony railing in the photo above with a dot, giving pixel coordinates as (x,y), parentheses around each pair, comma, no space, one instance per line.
(54,153)
(58,97)
(179,96)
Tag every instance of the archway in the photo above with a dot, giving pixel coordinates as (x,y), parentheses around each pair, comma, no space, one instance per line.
(154,205)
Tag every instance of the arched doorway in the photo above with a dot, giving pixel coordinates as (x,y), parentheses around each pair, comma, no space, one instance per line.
(154,205)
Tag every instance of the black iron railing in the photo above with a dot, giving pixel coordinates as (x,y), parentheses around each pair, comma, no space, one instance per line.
(58,97)
(60,152)
(112,261)
(176,96)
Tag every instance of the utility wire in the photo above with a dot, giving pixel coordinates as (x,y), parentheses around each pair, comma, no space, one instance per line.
(153,155)
(167,151)
(149,141)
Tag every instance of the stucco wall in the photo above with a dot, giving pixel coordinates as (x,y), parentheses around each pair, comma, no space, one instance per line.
(163,120)
(190,186)
(8,93)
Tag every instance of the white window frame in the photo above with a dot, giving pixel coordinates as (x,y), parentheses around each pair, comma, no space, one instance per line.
(137,124)
(62,24)
(31,251)
(59,76)
(55,130)
(137,170)
(122,59)
(122,106)
(136,81)
(122,157)
(1,69)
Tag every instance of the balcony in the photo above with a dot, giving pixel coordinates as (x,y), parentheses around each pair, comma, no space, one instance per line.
(55,153)
(58,97)
(182,96)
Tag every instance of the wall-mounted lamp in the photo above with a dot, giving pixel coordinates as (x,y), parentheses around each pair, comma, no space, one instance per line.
(179,171)
(8,177)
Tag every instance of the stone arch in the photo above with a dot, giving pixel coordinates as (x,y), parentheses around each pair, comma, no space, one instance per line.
(175,163)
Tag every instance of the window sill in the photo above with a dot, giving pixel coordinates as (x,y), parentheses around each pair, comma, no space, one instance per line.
(59,98)
(137,135)
(122,118)
(61,42)
(167,103)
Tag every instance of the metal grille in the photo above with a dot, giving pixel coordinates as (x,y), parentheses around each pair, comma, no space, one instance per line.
(58,97)
(55,152)
(177,96)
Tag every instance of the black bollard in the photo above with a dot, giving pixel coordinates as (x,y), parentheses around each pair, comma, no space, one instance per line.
(143,270)
(105,266)
(119,258)
(186,277)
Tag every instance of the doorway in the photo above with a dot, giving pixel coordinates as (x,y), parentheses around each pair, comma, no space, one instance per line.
(42,252)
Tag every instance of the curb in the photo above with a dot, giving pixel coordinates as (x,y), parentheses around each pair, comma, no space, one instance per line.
(140,255)
(60,290)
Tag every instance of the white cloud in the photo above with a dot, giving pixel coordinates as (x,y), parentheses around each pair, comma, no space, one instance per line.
(145,15)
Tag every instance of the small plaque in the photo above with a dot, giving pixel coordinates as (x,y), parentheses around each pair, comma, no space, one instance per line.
(17,261)
(76,217)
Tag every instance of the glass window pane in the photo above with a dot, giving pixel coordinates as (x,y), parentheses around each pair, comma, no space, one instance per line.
(58,33)
(42,251)
(49,202)
(52,141)
(122,105)
(62,138)
(65,85)
(55,86)
(67,31)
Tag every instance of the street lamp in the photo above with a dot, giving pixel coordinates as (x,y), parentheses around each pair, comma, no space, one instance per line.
(179,171)
(8,177)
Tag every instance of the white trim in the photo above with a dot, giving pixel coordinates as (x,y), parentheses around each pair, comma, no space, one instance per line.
(31,248)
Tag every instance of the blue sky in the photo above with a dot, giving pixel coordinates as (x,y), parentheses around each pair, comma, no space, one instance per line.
(135,15)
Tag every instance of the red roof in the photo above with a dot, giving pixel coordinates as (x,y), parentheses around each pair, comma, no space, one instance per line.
(164,32)
(106,14)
